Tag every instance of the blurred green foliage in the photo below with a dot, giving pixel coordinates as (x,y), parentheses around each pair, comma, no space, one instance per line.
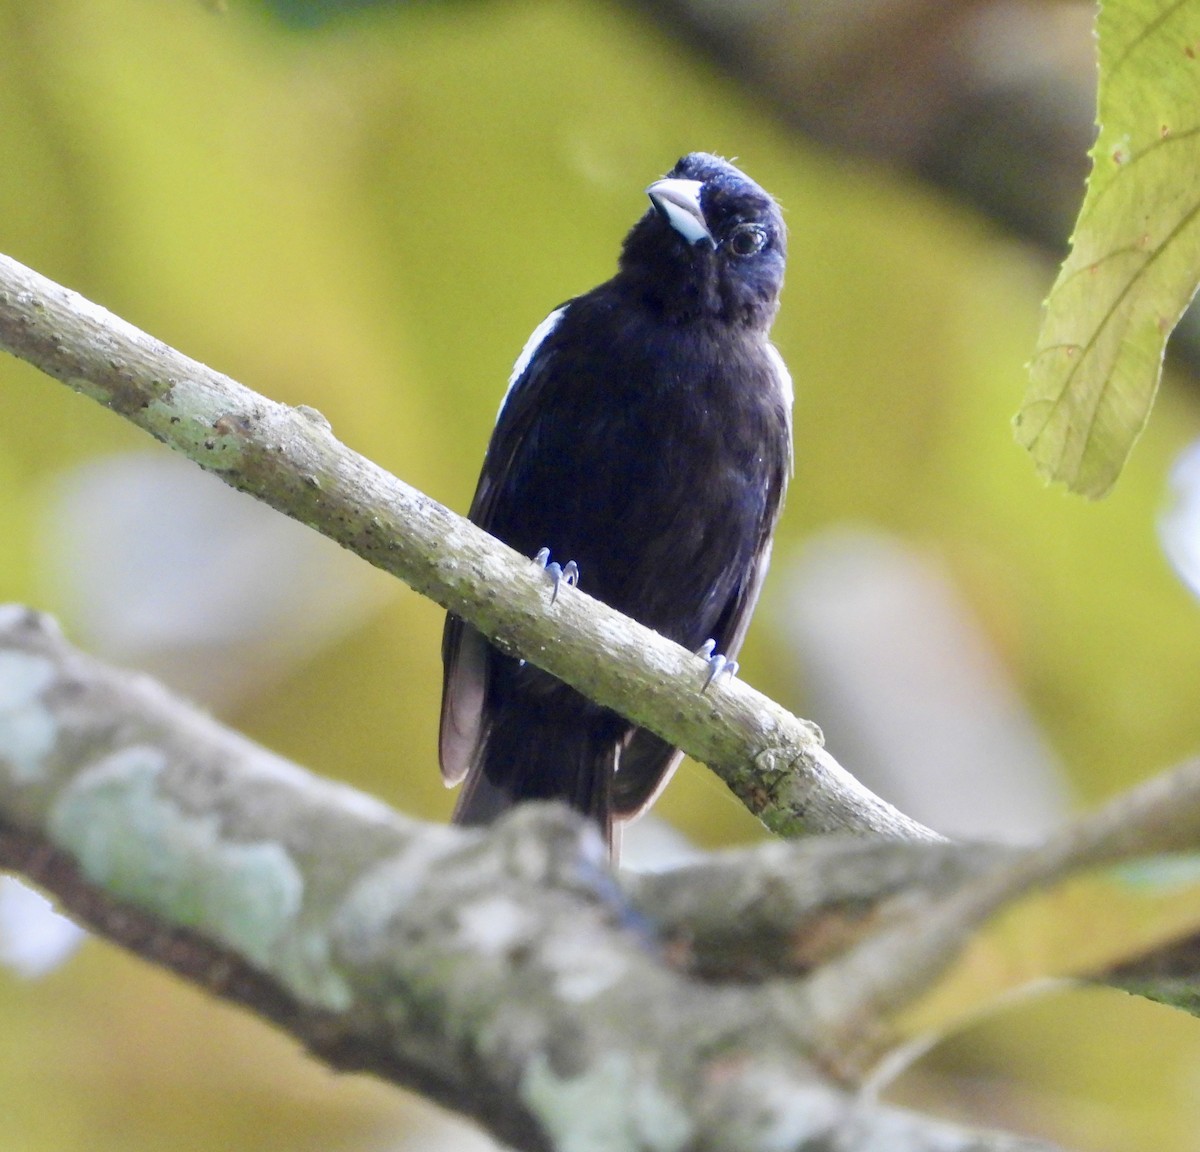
(308,14)
(370,219)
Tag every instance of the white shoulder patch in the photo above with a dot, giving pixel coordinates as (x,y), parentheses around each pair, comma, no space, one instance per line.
(783,381)
(782,376)
(534,342)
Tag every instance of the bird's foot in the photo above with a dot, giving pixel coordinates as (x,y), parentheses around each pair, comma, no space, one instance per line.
(559,574)
(718,665)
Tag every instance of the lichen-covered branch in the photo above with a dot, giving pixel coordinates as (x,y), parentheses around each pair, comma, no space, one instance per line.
(290,459)
(504,973)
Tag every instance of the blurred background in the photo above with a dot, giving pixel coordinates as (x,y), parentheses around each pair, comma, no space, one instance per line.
(366,208)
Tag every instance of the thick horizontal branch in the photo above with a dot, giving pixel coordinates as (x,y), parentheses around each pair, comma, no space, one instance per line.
(503,973)
(289,458)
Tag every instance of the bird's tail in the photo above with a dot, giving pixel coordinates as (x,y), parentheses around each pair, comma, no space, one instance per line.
(551,762)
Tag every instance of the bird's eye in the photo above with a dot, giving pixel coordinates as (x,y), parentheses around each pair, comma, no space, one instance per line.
(746,239)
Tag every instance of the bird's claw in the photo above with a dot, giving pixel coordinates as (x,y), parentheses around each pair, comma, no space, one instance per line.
(559,574)
(718,665)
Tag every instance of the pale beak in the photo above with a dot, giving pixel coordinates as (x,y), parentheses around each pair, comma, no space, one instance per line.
(679,202)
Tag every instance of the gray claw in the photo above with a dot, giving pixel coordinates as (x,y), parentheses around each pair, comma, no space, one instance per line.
(559,573)
(718,665)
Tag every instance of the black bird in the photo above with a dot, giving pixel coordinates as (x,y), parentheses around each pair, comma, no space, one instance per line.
(646,436)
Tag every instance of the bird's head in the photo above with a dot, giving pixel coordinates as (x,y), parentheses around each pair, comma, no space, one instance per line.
(713,245)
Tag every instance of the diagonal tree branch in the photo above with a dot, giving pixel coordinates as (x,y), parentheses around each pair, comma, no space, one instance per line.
(290,459)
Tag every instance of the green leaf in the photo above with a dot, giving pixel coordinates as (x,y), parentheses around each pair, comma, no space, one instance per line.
(1135,255)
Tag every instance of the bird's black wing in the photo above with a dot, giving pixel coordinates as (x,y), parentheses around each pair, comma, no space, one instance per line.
(647,761)
(465,653)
